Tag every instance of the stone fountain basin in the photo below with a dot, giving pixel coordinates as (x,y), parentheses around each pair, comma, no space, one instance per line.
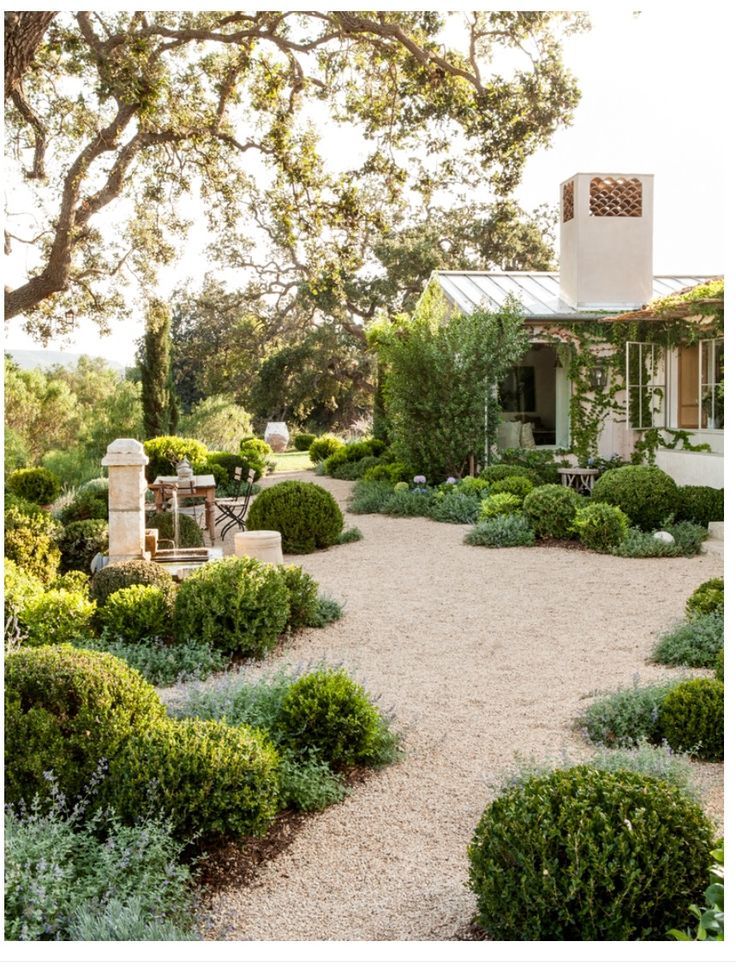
(181,562)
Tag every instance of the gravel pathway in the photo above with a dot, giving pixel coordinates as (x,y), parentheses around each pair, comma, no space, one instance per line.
(483,655)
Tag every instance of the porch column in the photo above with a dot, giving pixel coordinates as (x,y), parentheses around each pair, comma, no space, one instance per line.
(126,462)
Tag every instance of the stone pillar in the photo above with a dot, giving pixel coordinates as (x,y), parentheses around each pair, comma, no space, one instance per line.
(126,463)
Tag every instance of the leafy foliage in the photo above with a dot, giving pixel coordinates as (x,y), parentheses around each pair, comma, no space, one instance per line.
(34,485)
(413,503)
(302,595)
(511,529)
(86,505)
(601,527)
(135,613)
(56,616)
(692,718)
(162,663)
(81,542)
(499,504)
(455,507)
(551,510)
(500,471)
(627,717)
(116,576)
(639,545)
(165,451)
(256,454)
(326,611)
(646,494)
(548,855)
(351,535)
(710,918)
(369,497)
(515,484)
(353,451)
(220,423)
(19,587)
(190,533)
(694,643)
(31,540)
(303,441)
(306,515)
(321,448)
(706,598)
(700,504)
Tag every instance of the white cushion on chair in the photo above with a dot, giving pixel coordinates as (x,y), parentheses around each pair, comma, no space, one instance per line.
(527,436)
(509,434)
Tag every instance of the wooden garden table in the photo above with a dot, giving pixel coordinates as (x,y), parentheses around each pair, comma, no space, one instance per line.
(196,487)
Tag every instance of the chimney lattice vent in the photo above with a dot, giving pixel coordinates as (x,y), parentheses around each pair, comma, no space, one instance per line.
(568,201)
(615,197)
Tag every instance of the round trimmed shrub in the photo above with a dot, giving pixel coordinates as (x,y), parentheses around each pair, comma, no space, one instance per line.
(302,595)
(256,455)
(85,506)
(551,509)
(237,605)
(327,713)
(35,485)
(164,453)
(719,666)
(81,542)
(646,494)
(691,718)
(57,616)
(498,472)
(30,540)
(706,598)
(306,515)
(66,711)
(20,588)
(190,534)
(515,484)
(205,776)
(586,854)
(322,448)
(700,504)
(117,576)
(303,442)
(601,527)
(137,612)
(499,504)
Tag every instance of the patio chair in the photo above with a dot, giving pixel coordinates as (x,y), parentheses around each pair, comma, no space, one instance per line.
(233,513)
(234,500)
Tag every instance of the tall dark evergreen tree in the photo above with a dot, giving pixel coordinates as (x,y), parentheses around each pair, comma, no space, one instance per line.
(160,411)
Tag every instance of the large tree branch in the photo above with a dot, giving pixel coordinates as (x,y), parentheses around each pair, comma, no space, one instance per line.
(24,31)
(38,170)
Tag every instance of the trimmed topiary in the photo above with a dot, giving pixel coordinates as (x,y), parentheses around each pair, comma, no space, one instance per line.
(512,529)
(57,616)
(306,515)
(137,612)
(586,854)
(164,453)
(551,509)
(706,598)
(81,542)
(205,777)
(329,714)
(692,718)
(84,507)
(646,494)
(238,605)
(515,484)
(499,504)
(700,503)
(190,533)
(322,448)
(499,472)
(302,595)
(31,540)
(37,485)
(66,711)
(355,451)
(117,576)
(601,527)
(303,441)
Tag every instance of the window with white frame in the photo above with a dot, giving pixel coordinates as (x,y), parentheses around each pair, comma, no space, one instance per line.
(711,353)
(646,386)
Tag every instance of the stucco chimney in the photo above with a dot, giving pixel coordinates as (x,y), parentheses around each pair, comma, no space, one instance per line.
(606,240)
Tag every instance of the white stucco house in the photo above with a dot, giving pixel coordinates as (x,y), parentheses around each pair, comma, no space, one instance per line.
(605,278)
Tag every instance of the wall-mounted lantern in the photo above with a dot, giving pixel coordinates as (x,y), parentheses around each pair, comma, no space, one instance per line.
(598,377)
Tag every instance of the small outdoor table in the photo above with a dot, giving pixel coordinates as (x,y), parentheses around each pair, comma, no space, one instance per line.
(579,479)
(196,487)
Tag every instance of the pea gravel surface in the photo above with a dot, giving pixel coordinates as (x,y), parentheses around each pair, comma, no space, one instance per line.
(483,656)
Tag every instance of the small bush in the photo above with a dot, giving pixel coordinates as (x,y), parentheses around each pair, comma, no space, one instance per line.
(99,487)
(326,611)
(512,529)
(66,711)
(643,546)
(256,454)
(206,777)
(34,485)
(499,472)
(694,643)
(227,461)
(700,504)
(515,484)
(627,717)
(369,497)
(472,486)
(692,718)
(73,580)
(161,663)
(351,535)
(303,442)
(322,448)
(20,588)
(350,470)
(706,598)
(499,504)
(551,509)
(394,471)
(239,702)
(458,507)
(164,453)
(57,616)
(83,507)
(719,666)
(190,534)
(135,613)
(601,527)
(81,542)
(31,540)
(584,854)
(355,451)
(408,504)
(309,784)
(117,576)
(542,464)
(646,494)
(302,595)
(237,604)
(688,537)
(330,715)
(306,515)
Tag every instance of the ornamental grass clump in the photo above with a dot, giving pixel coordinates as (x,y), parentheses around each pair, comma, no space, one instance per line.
(706,599)
(551,509)
(600,527)
(693,643)
(238,605)
(512,529)
(692,718)
(499,504)
(587,854)
(306,515)
(646,494)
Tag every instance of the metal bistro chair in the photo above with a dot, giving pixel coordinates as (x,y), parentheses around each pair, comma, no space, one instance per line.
(233,513)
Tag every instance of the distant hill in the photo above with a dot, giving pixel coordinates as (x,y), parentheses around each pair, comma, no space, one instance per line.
(45,359)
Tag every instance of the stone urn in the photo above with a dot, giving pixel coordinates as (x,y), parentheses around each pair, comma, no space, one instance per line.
(276,436)
(184,470)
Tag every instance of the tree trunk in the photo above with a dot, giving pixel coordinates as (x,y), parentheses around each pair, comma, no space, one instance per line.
(24,31)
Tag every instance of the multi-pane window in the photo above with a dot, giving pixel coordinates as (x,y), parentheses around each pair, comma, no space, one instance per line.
(646,386)
(711,384)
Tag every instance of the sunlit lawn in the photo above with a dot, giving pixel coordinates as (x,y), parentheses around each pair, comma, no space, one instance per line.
(293,461)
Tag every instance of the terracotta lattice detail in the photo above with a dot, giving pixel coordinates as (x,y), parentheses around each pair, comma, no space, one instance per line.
(568,201)
(615,197)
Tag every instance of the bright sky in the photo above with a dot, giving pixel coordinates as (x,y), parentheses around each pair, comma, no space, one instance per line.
(653,101)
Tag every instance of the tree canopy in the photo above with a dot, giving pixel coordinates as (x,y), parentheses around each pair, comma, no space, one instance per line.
(117,119)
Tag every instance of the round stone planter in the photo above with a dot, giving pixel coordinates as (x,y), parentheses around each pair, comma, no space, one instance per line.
(260,544)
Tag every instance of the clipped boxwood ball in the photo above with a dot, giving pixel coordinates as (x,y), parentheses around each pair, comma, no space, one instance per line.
(66,711)
(306,515)
(601,527)
(646,494)
(205,776)
(551,509)
(238,605)
(323,447)
(137,612)
(700,504)
(586,854)
(691,718)
(706,598)
(116,576)
(34,484)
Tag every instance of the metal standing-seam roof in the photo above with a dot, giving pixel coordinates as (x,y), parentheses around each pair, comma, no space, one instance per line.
(538,291)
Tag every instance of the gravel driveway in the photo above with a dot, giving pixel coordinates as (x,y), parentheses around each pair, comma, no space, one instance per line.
(483,655)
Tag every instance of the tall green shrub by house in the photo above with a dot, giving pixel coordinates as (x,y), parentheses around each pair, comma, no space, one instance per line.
(646,494)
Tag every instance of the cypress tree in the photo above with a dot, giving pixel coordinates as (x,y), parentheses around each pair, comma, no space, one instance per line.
(159,410)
